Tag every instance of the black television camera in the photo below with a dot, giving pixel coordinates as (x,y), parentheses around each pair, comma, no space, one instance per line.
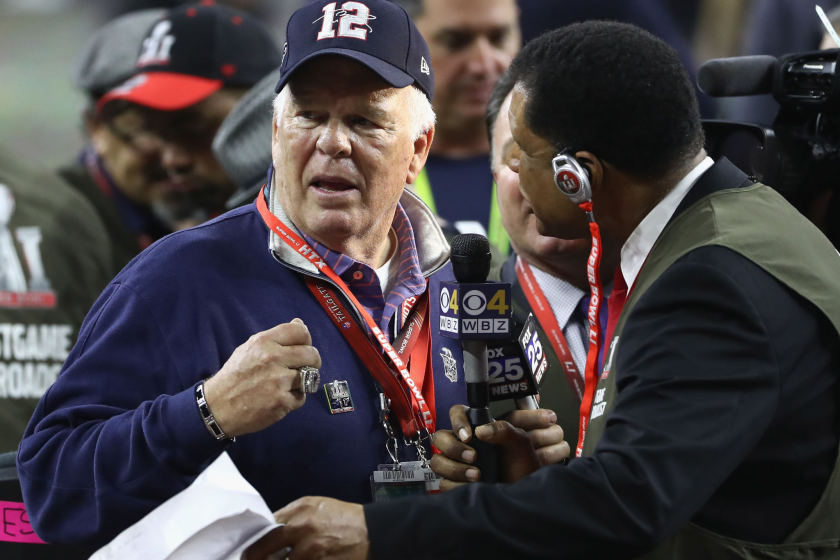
(799,155)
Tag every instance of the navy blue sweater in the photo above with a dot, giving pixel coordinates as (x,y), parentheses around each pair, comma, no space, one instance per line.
(119,432)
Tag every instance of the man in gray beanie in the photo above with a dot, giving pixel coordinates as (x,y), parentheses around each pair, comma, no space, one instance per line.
(243,143)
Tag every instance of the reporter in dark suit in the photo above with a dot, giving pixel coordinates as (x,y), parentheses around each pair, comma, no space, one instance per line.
(718,431)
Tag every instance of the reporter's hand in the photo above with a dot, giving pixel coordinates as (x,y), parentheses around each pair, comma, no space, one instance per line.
(546,435)
(316,528)
(521,452)
(260,382)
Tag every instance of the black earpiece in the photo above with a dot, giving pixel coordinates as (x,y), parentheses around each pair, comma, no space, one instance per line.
(572,177)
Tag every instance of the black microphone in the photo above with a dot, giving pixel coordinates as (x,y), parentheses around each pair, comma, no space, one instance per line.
(737,76)
(470,258)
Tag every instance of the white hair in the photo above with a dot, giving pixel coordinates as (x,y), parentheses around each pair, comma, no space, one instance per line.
(422,113)
(280,103)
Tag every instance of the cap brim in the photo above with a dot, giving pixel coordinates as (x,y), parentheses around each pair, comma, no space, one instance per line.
(164,91)
(391,74)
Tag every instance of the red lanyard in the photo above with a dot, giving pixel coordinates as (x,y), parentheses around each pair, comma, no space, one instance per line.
(547,320)
(415,379)
(593,273)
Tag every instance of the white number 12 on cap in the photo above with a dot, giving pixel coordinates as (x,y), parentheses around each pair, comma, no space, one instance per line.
(351,14)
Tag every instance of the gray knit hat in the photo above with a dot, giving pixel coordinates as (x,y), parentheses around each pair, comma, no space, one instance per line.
(110,55)
(243,143)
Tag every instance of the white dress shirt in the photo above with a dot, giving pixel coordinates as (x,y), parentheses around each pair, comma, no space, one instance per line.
(638,245)
(563,298)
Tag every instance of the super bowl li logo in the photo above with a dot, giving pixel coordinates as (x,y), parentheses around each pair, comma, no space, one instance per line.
(15,290)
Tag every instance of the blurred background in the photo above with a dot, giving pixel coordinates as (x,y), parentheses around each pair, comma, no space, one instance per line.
(39,108)
(39,39)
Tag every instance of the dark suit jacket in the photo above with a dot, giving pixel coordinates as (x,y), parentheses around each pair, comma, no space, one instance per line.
(766,436)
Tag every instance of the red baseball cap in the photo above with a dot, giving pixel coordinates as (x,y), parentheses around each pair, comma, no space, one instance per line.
(194,51)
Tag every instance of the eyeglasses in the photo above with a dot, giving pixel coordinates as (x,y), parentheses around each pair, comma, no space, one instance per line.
(150,137)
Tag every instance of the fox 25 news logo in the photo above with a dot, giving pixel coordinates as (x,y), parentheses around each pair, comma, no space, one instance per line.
(477,311)
(517,367)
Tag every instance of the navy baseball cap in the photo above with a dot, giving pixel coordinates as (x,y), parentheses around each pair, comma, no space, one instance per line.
(194,51)
(375,33)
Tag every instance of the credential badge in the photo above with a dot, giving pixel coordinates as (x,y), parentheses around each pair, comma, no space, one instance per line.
(450,366)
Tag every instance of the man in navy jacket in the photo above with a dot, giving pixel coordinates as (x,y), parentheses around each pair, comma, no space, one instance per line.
(130,421)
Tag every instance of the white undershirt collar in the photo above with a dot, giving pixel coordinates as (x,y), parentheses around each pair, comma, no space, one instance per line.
(641,241)
(387,273)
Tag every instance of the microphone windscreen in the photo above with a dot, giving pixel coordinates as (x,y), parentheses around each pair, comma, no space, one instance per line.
(738,76)
(469,245)
(470,255)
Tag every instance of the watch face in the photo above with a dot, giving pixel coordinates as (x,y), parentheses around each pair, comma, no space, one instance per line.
(338,397)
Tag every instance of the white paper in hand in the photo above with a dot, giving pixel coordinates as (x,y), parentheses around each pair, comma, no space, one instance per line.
(216,518)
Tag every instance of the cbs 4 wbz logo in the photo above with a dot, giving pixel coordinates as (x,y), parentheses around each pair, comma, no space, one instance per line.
(475,309)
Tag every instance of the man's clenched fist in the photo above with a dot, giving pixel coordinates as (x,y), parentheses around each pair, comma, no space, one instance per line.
(260,383)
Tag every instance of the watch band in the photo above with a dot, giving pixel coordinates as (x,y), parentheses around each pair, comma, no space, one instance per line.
(207,416)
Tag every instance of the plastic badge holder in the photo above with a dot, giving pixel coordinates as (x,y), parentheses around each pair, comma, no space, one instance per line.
(389,482)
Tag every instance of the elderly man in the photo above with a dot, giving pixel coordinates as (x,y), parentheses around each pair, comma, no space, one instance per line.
(159,83)
(198,346)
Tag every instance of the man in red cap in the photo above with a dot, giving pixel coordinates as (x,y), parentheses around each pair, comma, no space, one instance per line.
(150,169)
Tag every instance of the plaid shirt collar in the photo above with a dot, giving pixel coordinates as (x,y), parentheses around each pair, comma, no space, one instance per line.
(364,282)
